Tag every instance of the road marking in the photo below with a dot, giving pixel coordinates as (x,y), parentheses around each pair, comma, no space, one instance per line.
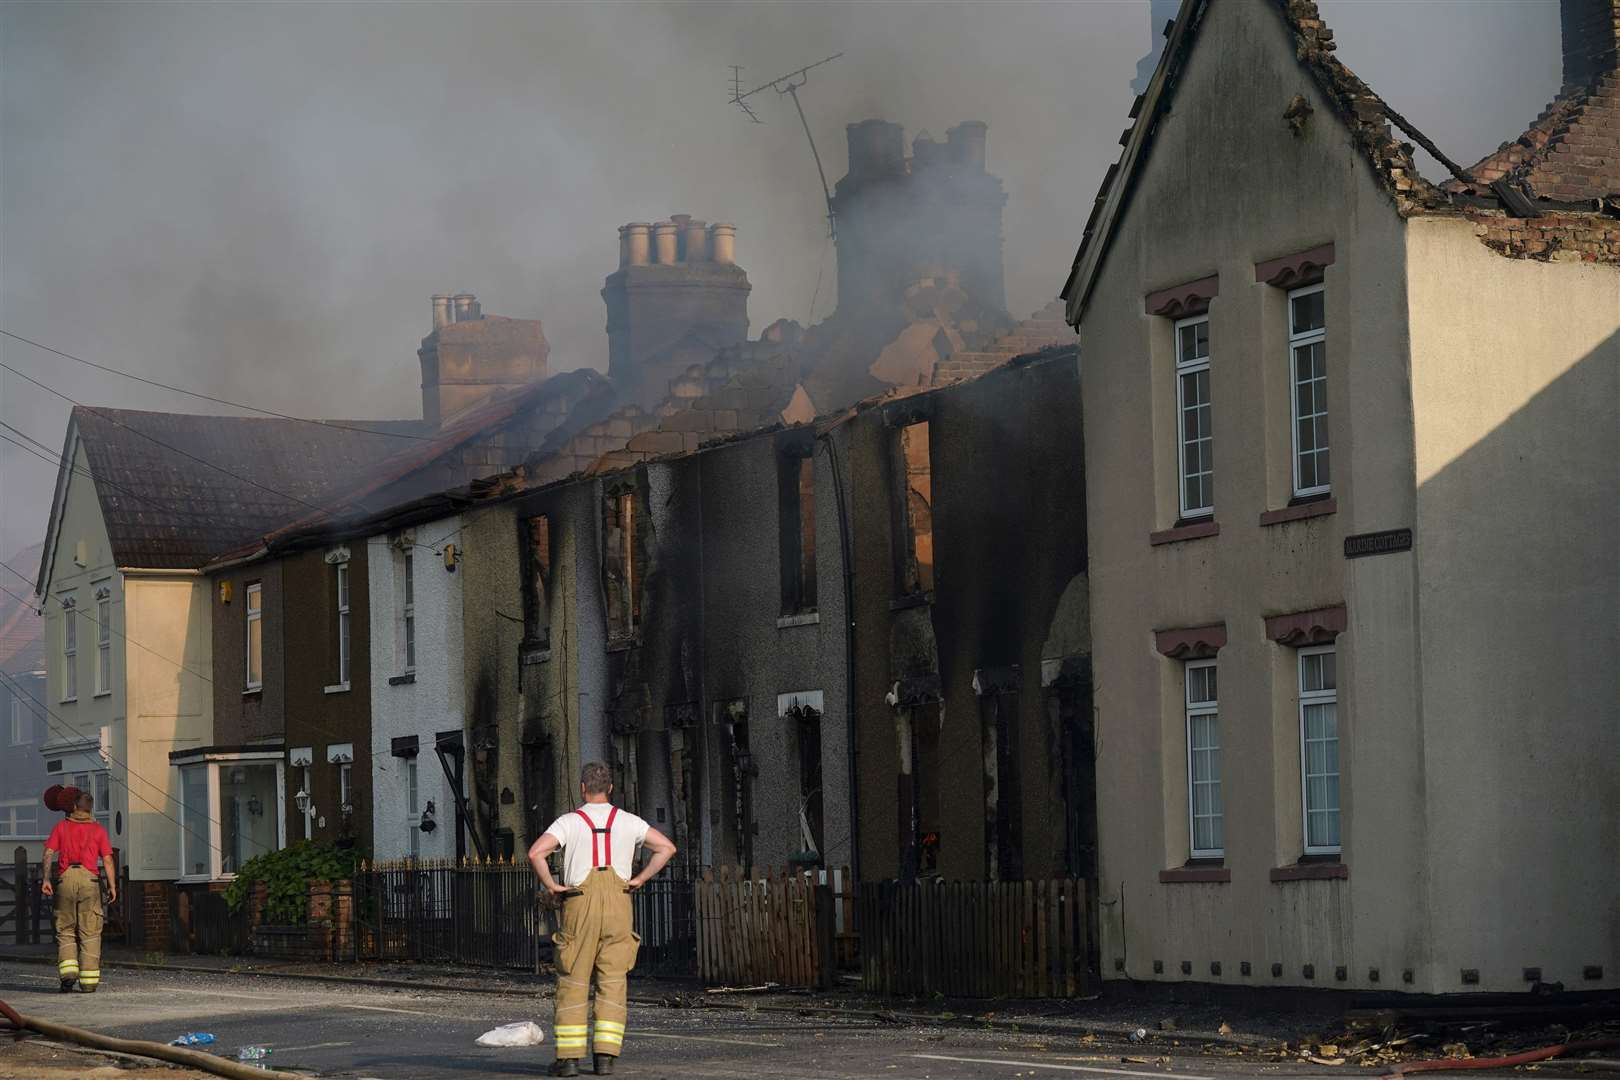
(368,1008)
(37,978)
(311,1046)
(700,1038)
(1064,1068)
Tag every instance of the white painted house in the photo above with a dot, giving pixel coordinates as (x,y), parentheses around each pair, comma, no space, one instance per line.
(417,689)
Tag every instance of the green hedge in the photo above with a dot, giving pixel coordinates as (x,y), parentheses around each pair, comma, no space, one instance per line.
(288,873)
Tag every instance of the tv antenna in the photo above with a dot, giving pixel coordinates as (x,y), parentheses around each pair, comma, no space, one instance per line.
(789,85)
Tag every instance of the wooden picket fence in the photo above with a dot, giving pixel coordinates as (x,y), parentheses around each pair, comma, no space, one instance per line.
(976,939)
(773,926)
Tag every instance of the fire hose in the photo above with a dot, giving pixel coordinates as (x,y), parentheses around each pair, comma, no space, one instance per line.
(177,1055)
(1511,1060)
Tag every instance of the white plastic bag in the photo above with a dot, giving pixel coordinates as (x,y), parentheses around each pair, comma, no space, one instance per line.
(523,1033)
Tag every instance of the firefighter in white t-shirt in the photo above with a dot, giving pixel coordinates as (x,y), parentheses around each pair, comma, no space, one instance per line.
(598,843)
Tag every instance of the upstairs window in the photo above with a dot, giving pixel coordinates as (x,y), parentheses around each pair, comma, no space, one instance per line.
(1206,811)
(255,636)
(796,528)
(1307,353)
(342,584)
(22,722)
(537,583)
(407,610)
(621,565)
(103,640)
(917,558)
(1195,441)
(70,647)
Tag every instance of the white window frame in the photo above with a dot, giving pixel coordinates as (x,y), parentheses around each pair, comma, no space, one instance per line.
(254,615)
(407,611)
(1185,367)
(1196,710)
(1309,698)
(216,848)
(20,736)
(343,623)
(413,807)
(103,638)
(70,646)
(1296,340)
(8,820)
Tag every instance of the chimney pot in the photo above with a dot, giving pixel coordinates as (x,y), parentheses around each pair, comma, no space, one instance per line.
(664,242)
(966,142)
(636,244)
(723,244)
(467,307)
(441,311)
(875,147)
(694,240)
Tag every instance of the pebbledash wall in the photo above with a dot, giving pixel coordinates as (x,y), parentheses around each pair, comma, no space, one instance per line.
(414,706)
(1471,401)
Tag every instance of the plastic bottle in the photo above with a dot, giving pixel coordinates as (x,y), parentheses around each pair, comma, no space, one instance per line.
(196,1038)
(253,1053)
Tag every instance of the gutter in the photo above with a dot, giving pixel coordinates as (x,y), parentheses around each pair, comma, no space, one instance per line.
(145,571)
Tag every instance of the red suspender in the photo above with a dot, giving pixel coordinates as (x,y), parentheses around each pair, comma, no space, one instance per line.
(605,858)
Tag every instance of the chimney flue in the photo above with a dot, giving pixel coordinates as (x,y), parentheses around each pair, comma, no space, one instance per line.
(441,311)
(723,244)
(466,307)
(664,242)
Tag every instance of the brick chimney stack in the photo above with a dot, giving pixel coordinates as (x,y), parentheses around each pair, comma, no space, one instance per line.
(676,297)
(469,356)
(1591,36)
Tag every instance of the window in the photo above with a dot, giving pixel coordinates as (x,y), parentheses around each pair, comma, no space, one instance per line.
(1205,811)
(413,807)
(70,647)
(308,788)
(796,513)
(255,636)
(20,820)
(621,565)
(99,785)
(407,608)
(802,712)
(345,787)
(1194,442)
(536,584)
(343,623)
(103,640)
(230,811)
(22,723)
(1319,749)
(917,560)
(1307,352)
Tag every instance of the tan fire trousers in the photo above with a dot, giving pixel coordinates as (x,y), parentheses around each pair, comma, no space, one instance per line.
(79,916)
(596,939)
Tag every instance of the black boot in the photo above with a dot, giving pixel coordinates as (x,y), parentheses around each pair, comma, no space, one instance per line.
(67,985)
(565,1067)
(604,1064)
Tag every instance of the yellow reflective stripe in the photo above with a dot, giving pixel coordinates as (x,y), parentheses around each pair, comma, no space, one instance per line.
(613,1025)
(570,1029)
(68,965)
(94,973)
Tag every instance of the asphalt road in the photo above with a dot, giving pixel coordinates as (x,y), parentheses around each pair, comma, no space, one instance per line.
(378,1034)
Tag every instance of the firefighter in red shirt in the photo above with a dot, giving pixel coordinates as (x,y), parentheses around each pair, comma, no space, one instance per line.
(85,852)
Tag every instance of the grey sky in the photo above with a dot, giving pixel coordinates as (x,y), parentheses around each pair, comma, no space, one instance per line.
(256,200)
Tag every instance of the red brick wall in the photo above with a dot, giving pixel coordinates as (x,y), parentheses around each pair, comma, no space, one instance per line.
(1591,29)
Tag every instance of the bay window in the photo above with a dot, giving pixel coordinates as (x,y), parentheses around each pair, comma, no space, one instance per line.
(231,809)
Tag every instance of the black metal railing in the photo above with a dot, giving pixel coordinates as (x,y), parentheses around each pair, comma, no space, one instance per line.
(490,914)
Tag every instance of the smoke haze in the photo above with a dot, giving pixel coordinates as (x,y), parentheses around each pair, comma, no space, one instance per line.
(257,200)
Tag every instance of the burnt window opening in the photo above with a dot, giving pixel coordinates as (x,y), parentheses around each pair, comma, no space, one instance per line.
(796,506)
(739,771)
(920,797)
(998,713)
(621,565)
(917,516)
(536,537)
(812,816)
